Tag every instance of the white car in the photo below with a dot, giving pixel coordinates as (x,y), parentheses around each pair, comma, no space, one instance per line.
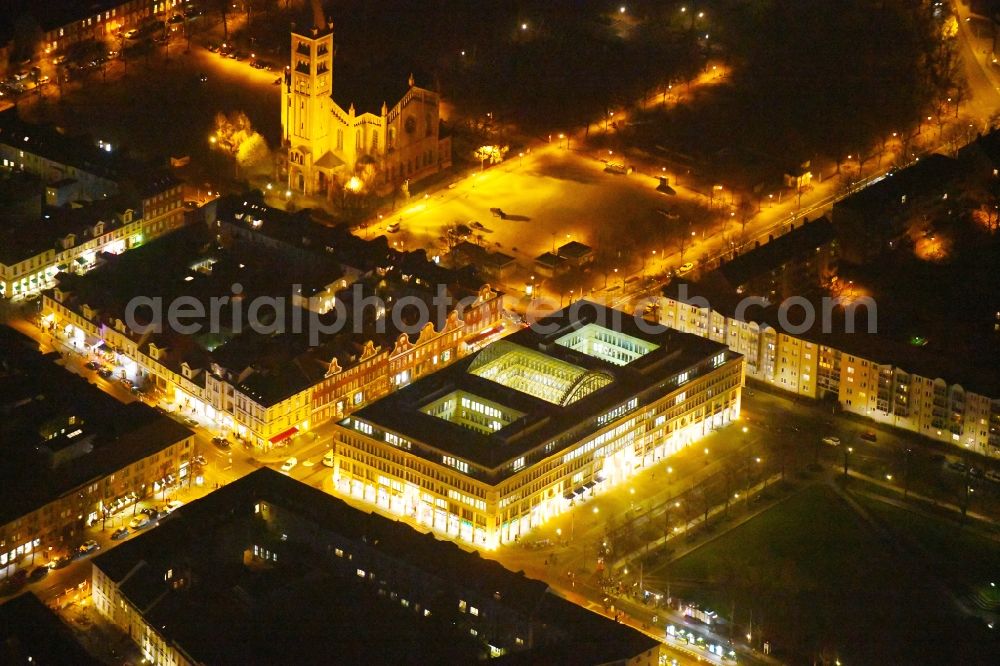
(289,464)
(172,506)
(139,522)
(328,459)
(831,441)
(685,268)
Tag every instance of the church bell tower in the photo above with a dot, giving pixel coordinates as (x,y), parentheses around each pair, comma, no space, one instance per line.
(305,109)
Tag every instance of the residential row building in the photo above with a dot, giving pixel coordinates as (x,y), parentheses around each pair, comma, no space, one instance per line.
(265,386)
(495,445)
(267,551)
(944,398)
(73,455)
(75,201)
(875,219)
(799,262)
(64,23)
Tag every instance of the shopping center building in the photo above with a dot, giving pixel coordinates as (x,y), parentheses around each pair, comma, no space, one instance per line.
(498,443)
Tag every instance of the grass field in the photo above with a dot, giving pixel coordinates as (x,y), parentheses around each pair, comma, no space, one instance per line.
(962,557)
(820,580)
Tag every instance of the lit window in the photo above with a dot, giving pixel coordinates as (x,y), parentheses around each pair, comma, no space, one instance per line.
(361,573)
(474,611)
(462,605)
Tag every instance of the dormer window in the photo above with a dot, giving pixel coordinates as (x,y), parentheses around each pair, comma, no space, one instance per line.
(99,229)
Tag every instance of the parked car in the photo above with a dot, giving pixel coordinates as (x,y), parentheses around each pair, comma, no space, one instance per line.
(993,476)
(151,512)
(92,365)
(126,382)
(14,582)
(199,460)
(289,464)
(869,436)
(120,533)
(61,562)
(221,443)
(957,466)
(38,573)
(328,459)
(136,390)
(139,522)
(685,268)
(190,422)
(172,506)
(831,441)
(132,34)
(105,372)
(88,547)
(393,227)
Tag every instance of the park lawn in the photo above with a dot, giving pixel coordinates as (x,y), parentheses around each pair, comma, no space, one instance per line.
(965,559)
(820,580)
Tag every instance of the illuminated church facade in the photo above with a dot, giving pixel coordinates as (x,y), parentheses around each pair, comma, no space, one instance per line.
(328,144)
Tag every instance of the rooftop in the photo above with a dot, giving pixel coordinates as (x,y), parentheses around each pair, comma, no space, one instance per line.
(575,250)
(25,237)
(49,142)
(30,632)
(257,252)
(929,176)
(552,383)
(59,432)
(777,252)
(299,603)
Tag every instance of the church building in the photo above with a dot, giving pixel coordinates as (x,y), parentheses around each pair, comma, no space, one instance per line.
(329,143)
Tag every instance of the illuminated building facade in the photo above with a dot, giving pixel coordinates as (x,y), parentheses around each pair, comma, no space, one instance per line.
(495,445)
(85,213)
(74,456)
(890,383)
(266,388)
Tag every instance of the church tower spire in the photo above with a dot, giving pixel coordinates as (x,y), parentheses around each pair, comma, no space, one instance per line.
(306,104)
